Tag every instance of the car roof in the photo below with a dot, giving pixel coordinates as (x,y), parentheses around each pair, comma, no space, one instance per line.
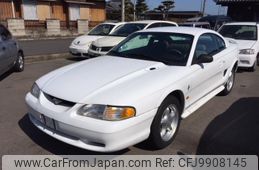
(151,21)
(182,30)
(196,23)
(215,17)
(242,23)
(112,23)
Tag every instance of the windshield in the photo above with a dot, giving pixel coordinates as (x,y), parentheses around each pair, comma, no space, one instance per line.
(128,29)
(103,29)
(240,32)
(169,48)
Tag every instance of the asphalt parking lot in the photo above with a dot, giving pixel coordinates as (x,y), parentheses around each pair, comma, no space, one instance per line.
(53,46)
(225,125)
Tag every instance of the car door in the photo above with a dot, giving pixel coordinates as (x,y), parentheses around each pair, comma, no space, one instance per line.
(11,47)
(205,77)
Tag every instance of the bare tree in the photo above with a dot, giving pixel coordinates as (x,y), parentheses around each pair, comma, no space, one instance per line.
(165,7)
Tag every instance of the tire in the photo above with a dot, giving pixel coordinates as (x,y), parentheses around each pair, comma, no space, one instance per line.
(19,64)
(253,68)
(257,60)
(229,84)
(164,130)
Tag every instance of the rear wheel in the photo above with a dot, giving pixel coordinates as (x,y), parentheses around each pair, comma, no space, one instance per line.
(19,64)
(229,84)
(166,123)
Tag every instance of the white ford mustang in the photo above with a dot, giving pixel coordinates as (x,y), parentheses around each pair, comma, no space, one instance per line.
(140,90)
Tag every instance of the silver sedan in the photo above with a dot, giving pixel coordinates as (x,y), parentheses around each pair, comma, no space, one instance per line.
(11,56)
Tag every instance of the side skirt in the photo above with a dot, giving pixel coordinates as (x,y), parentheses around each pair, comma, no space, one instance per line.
(201,102)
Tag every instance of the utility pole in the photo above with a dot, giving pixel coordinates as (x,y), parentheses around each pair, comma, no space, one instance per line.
(134,13)
(122,10)
(204,7)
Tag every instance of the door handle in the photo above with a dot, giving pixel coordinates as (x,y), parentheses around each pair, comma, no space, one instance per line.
(3,48)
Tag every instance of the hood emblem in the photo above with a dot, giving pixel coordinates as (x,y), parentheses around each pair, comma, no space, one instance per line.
(78,42)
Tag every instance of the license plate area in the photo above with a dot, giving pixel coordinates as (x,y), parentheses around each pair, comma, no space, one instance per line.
(49,122)
(74,51)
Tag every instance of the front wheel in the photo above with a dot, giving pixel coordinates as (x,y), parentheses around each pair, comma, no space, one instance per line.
(253,68)
(165,124)
(229,84)
(19,64)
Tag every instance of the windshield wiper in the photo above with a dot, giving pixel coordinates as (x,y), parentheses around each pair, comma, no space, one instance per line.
(138,56)
(150,58)
(114,53)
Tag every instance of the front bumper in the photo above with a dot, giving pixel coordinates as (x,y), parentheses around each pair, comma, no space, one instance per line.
(246,60)
(89,133)
(79,51)
(93,53)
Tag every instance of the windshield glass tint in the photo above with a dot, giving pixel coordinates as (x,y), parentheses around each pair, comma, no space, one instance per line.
(169,48)
(241,32)
(128,29)
(103,29)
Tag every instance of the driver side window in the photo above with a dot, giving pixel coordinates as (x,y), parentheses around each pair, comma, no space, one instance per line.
(206,45)
(4,34)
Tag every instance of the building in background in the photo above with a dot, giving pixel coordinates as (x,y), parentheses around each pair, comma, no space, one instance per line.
(35,13)
(177,16)
(241,10)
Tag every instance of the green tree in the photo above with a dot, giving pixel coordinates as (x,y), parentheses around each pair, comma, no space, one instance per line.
(141,8)
(165,7)
(129,10)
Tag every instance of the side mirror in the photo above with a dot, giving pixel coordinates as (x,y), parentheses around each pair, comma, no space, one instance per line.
(204,58)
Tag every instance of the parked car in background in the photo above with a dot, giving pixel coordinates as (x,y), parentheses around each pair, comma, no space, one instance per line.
(11,56)
(79,47)
(247,37)
(103,45)
(196,24)
(195,19)
(216,21)
(140,90)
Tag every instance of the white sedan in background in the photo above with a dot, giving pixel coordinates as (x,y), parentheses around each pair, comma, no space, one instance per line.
(79,47)
(103,45)
(139,91)
(247,36)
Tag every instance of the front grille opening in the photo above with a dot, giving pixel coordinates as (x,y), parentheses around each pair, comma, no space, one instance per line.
(93,47)
(106,49)
(93,143)
(58,101)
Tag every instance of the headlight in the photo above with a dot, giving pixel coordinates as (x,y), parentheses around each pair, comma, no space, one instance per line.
(247,51)
(103,112)
(35,90)
(79,43)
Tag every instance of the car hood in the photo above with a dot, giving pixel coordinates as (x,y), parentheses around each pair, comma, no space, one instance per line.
(109,80)
(85,39)
(245,44)
(108,41)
